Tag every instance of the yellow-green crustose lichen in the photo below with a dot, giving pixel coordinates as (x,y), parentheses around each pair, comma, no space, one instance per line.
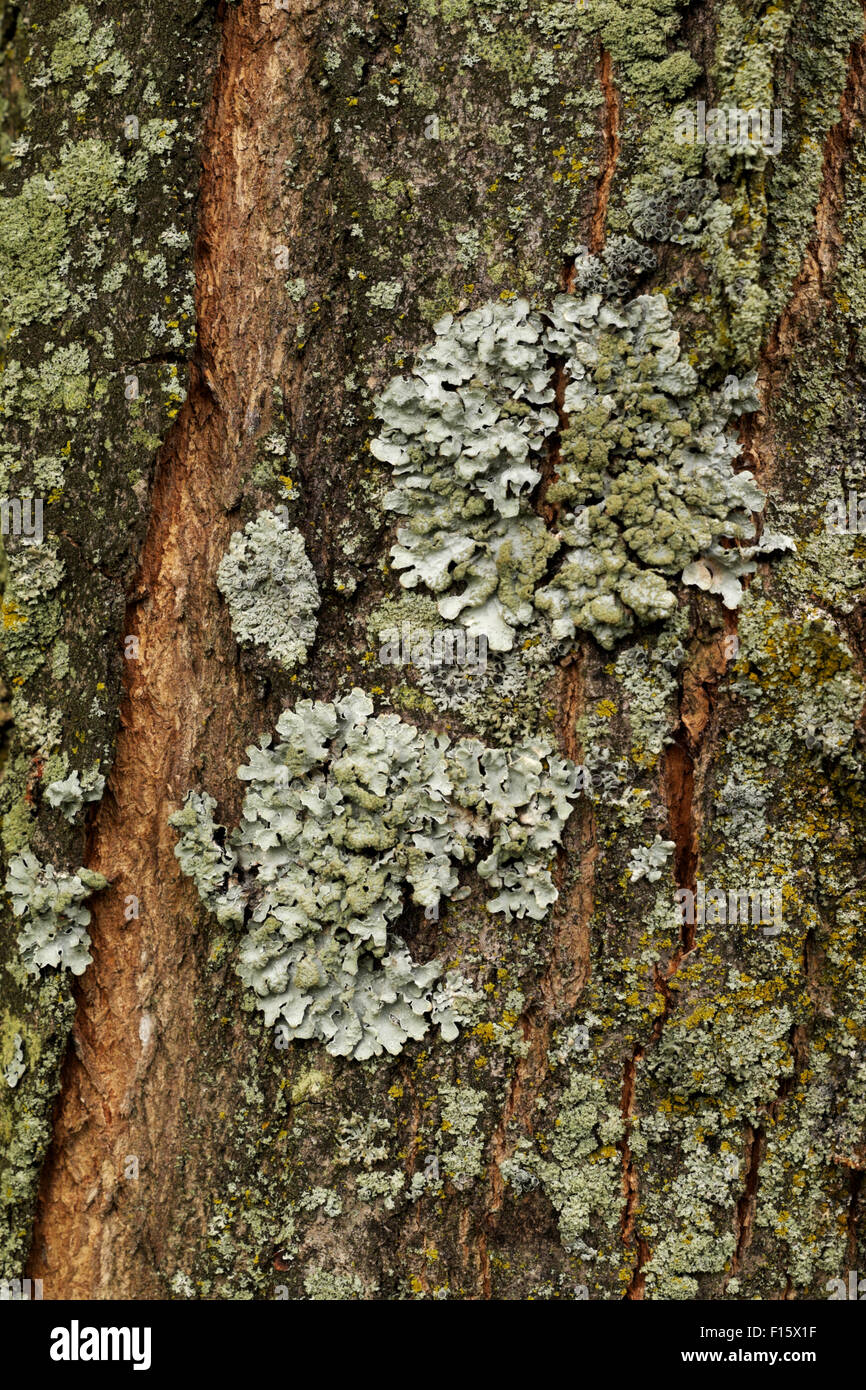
(343,814)
(645,479)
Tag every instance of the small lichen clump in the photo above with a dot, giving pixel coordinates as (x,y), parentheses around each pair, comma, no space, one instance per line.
(56,931)
(16,1066)
(645,485)
(343,814)
(271,590)
(69,794)
(648,861)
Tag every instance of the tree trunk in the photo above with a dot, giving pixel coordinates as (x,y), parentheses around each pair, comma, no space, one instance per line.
(225,230)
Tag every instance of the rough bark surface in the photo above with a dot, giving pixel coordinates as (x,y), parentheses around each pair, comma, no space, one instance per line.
(322,181)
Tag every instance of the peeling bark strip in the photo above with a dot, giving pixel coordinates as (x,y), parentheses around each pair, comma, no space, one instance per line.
(127,1083)
(610,131)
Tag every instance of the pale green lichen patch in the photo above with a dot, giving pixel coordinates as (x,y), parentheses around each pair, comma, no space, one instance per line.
(645,480)
(648,676)
(440,669)
(581,1171)
(16,1065)
(459,434)
(344,814)
(70,794)
(270,588)
(55,930)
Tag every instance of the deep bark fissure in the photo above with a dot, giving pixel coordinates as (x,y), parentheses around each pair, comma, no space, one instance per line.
(684,764)
(610,135)
(744,1212)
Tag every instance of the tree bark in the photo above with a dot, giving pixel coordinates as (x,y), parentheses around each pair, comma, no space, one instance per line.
(257,212)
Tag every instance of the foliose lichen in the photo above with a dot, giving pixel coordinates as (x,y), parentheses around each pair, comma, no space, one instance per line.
(344,814)
(647,861)
(55,933)
(271,590)
(16,1066)
(70,793)
(645,486)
